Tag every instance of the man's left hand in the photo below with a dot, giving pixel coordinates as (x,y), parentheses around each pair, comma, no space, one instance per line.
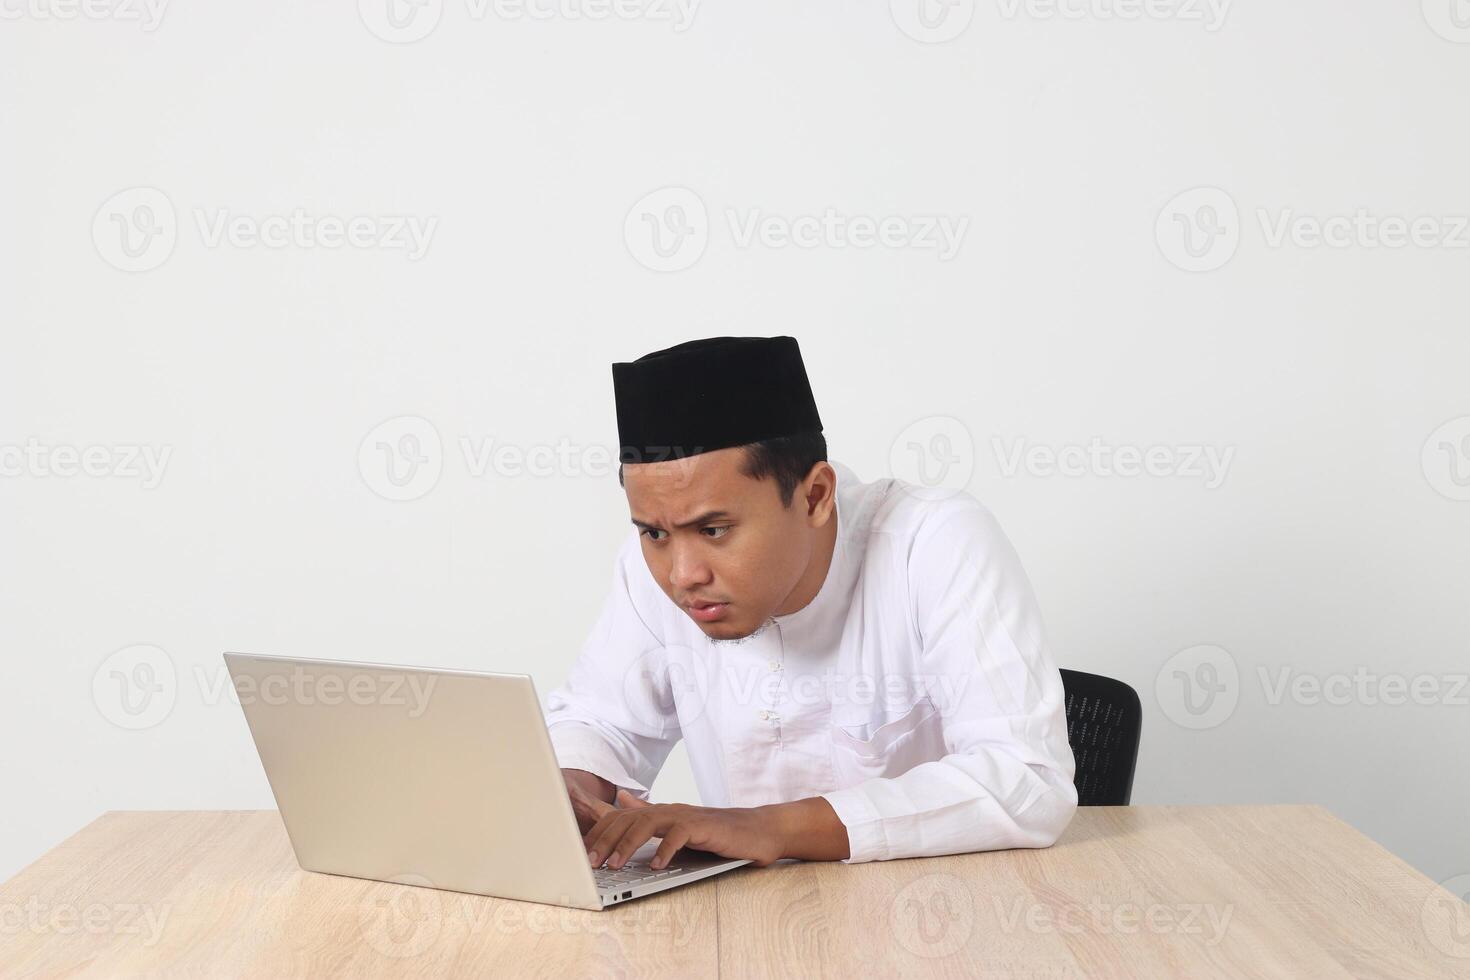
(733,833)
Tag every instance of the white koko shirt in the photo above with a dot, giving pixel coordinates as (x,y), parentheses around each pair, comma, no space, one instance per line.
(915,692)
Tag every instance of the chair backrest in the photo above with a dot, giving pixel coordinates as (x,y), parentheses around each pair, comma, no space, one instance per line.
(1104,718)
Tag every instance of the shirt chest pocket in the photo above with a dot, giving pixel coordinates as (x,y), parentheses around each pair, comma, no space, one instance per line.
(881,740)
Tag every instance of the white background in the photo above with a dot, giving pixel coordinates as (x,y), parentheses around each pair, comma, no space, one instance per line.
(1334,543)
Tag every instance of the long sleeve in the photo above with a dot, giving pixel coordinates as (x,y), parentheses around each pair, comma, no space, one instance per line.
(1006,780)
(614,717)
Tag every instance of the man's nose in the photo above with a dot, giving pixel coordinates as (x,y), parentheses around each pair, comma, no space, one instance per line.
(689,570)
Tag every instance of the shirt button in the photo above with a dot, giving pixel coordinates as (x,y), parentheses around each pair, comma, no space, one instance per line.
(774,664)
(764,715)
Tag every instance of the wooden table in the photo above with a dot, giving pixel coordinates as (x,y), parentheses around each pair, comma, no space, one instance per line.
(1245,891)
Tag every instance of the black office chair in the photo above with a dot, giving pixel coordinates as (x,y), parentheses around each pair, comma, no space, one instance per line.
(1103,723)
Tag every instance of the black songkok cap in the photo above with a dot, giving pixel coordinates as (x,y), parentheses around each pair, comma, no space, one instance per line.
(712,394)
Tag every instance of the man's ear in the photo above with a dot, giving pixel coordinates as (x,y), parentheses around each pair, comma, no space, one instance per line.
(819,490)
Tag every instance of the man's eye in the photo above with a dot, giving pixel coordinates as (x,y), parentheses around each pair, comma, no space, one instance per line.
(716,532)
(649,532)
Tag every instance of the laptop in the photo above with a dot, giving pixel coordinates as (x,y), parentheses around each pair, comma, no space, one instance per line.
(438,778)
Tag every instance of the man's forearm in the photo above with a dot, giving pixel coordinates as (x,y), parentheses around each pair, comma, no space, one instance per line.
(590,783)
(808,829)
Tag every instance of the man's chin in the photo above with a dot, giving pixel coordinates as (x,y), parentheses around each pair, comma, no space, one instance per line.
(725,630)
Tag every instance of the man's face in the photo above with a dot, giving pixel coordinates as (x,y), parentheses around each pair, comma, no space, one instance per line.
(719,543)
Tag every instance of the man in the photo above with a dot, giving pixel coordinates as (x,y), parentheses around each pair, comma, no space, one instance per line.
(858,673)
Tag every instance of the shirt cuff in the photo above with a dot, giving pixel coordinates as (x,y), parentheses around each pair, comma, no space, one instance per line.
(865,838)
(579,747)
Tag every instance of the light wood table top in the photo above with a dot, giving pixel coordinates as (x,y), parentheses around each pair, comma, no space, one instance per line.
(1239,891)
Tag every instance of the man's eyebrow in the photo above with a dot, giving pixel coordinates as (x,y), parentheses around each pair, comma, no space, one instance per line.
(705,518)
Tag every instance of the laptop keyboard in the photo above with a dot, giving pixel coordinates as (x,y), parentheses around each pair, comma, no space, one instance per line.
(632,873)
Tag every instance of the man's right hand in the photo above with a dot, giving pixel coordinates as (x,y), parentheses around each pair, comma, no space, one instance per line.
(591,796)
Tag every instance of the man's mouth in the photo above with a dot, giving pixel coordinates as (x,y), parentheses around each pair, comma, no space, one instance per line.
(707,612)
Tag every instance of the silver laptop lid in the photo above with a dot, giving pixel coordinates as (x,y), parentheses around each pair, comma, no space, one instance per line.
(432,777)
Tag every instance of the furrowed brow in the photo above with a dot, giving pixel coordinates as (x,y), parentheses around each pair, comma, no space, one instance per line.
(706,518)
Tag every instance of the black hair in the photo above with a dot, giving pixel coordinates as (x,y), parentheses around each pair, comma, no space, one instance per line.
(787,458)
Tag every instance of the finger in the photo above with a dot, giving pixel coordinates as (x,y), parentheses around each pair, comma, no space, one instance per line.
(601,838)
(628,801)
(673,840)
(634,836)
